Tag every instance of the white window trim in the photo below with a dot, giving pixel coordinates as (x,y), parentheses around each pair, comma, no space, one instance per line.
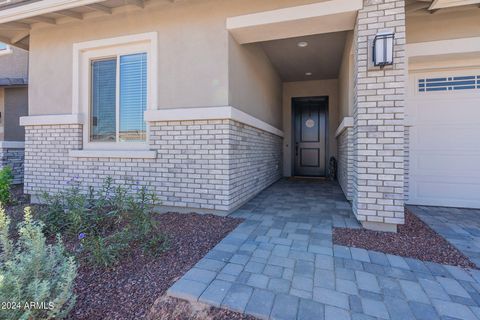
(84,52)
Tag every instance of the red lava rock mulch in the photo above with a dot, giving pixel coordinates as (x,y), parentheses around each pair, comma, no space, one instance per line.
(414,239)
(129,290)
(172,308)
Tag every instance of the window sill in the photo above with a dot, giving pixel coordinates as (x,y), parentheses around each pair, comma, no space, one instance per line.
(130,154)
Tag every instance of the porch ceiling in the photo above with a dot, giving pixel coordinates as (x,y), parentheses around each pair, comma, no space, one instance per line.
(321,57)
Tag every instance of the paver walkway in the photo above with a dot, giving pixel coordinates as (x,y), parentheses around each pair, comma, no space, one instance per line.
(280,263)
(459,226)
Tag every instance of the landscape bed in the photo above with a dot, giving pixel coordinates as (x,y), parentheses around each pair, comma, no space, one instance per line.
(136,280)
(414,239)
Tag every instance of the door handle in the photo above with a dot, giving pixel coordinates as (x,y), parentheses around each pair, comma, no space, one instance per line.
(296,149)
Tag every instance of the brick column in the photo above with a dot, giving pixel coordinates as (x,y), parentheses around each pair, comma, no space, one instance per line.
(378,132)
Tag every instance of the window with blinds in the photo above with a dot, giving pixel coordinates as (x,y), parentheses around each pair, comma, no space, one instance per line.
(119,99)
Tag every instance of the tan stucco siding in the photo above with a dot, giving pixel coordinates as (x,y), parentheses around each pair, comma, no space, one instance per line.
(443,25)
(193,67)
(254,85)
(308,89)
(192,62)
(345,81)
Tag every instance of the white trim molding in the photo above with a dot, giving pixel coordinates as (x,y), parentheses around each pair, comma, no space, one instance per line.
(12,144)
(131,154)
(315,18)
(346,123)
(210,113)
(443,47)
(80,50)
(51,119)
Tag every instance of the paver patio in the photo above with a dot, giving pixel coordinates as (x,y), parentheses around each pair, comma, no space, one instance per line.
(280,263)
(461,227)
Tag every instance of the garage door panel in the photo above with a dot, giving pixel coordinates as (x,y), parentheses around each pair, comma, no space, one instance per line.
(444,166)
(451,137)
(438,164)
(460,194)
(447,112)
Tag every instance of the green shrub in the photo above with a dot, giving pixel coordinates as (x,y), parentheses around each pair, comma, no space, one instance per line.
(36,279)
(6,178)
(110,220)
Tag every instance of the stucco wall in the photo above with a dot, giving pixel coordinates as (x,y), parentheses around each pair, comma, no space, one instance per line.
(443,25)
(193,53)
(345,80)
(308,89)
(254,85)
(16,106)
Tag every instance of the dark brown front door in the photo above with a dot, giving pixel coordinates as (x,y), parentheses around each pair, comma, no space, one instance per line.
(310,119)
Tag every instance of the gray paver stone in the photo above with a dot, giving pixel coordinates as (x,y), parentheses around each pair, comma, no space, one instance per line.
(330,297)
(334,313)
(260,303)
(310,310)
(237,297)
(215,292)
(375,308)
(423,311)
(186,289)
(367,281)
(285,307)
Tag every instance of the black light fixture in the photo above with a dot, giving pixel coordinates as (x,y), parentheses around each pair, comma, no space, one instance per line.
(383,49)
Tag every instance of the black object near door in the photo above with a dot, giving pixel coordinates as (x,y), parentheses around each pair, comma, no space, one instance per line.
(310,141)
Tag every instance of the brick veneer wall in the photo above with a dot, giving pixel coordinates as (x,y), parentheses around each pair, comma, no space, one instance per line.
(13,157)
(345,161)
(378,132)
(406,183)
(211,164)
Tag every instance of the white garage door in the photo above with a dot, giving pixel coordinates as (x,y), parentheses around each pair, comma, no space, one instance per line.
(444,110)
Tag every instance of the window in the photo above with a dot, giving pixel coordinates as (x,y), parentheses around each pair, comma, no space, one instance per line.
(117,114)
(3,46)
(449,83)
(114,85)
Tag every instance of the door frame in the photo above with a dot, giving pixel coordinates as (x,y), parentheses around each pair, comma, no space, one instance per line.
(293,102)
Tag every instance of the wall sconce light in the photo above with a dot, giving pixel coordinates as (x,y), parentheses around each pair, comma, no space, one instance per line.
(383,49)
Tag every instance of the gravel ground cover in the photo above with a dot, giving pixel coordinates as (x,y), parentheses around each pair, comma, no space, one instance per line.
(129,290)
(176,309)
(414,239)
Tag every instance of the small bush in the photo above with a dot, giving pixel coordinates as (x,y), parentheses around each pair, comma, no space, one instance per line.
(36,279)
(108,221)
(6,178)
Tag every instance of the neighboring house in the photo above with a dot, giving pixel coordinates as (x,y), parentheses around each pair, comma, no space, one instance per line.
(13,105)
(211,101)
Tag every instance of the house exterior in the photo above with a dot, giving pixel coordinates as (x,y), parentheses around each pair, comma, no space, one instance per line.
(13,105)
(208,102)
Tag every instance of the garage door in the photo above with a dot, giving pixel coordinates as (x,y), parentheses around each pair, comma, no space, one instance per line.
(443,108)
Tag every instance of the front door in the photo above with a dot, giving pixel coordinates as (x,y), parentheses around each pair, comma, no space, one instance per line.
(310,121)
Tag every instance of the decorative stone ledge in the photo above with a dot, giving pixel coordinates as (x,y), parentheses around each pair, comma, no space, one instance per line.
(346,123)
(128,154)
(12,145)
(210,113)
(51,119)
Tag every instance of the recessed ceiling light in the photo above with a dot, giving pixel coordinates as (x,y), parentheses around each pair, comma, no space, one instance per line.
(308,73)
(302,44)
